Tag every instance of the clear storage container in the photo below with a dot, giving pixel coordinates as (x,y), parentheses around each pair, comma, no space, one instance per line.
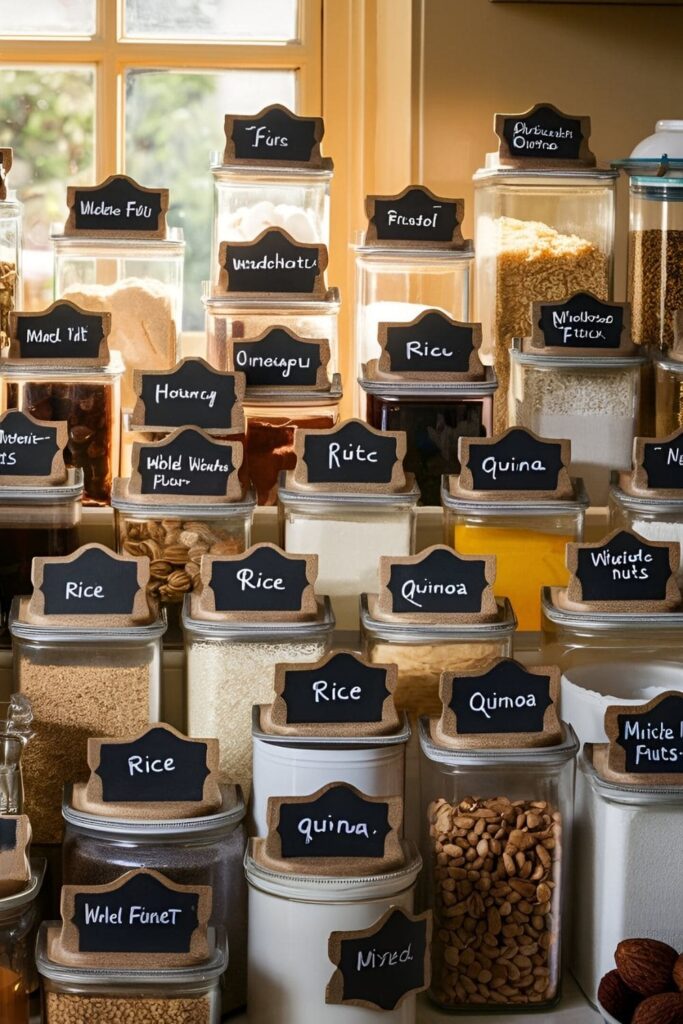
(206,850)
(230,666)
(245,318)
(592,401)
(20,916)
(490,887)
(291,918)
(140,282)
(540,235)
(652,517)
(528,538)
(89,400)
(82,681)
(10,262)
(396,285)
(100,995)
(668,395)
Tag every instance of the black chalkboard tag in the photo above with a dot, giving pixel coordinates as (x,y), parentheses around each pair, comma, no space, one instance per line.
(263,583)
(280,359)
(157,774)
(414,219)
(188,465)
(341,695)
(504,705)
(31,450)
(658,466)
(646,741)
(274,136)
(5,167)
(437,585)
(141,919)
(273,264)
(15,842)
(92,583)
(624,572)
(349,457)
(117,208)
(583,324)
(544,137)
(193,392)
(335,831)
(430,347)
(63,332)
(382,965)
(516,464)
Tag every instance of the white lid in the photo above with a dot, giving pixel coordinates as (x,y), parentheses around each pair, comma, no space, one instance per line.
(667,139)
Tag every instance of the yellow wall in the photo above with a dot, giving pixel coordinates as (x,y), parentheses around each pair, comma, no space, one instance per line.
(623,65)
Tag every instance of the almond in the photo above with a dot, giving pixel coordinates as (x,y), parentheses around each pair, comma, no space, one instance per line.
(646,965)
(617,998)
(666,1008)
(678,973)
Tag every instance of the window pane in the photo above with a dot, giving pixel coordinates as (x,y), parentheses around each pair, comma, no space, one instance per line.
(48,18)
(174,120)
(47,117)
(212,20)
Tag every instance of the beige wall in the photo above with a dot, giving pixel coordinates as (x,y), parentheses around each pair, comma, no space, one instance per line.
(623,65)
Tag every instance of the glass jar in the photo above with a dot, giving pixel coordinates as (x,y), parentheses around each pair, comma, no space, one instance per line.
(539,236)
(10,262)
(300,765)
(509,789)
(668,395)
(527,537)
(35,522)
(207,850)
(396,285)
(625,870)
(433,414)
(140,282)
(272,416)
(20,916)
(651,517)
(101,995)
(82,682)
(89,400)
(291,918)
(655,257)
(245,319)
(592,401)
(348,532)
(230,666)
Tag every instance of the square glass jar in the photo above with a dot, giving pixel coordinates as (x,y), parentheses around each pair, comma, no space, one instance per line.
(140,282)
(10,262)
(89,400)
(243,319)
(658,519)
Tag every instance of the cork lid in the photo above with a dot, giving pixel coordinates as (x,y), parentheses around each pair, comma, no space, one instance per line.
(194,393)
(5,167)
(117,208)
(280,358)
(657,470)
(432,347)
(414,219)
(15,846)
(63,334)
(544,138)
(275,137)
(272,264)
(580,325)
(645,745)
(188,467)
(350,458)
(31,451)
(515,465)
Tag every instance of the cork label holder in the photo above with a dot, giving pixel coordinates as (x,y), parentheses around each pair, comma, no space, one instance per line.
(274,137)
(645,743)
(188,467)
(657,467)
(272,264)
(517,464)
(545,138)
(432,347)
(582,325)
(279,358)
(15,844)
(193,392)
(31,451)
(414,219)
(117,208)
(64,333)
(350,458)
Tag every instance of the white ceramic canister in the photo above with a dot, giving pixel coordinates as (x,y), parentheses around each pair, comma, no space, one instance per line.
(291,918)
(298,765)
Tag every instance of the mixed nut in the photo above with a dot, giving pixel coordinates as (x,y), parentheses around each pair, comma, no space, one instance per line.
(496,873)
(647,985)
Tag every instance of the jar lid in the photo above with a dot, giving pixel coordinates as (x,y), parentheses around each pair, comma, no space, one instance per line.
(644,743)
(624,792)
(172,246)
(321,501)
(145,505)
(513,507)
(231,305)
(286,397)
(261,712)
(502,757)
(657,469)
(275,137)
(416,218)
(28,370)
(497,630)
(30,892)
(264,173)
(57,494)
(21,627)
(621,620)
(425,258)
(395,387)
(192,392)
(575,362)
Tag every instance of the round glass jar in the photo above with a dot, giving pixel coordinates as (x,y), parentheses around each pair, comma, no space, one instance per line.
(655,257)
(207,850)
(651,517)
(668,396)
(20,916)
(10,262)
(291,918)
(513,789)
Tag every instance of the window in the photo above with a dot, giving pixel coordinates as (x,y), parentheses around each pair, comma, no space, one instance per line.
(90,87)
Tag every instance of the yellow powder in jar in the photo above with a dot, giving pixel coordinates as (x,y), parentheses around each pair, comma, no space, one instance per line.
(526,561)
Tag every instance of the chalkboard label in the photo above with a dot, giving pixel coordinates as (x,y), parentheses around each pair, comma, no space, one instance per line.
(582,322)
(342,690)
(92,581)
(63,332)
(273,264)
(543,135)
(659,463)
(192,393)
(647,739)
(516,463)
(157,767)
(382,965)
(118,207)
(624,569)
(337,823)
(262,581)
(31,451)
(281,359)
(437,582)
(273,136)
(351,456)
(432,345)
(8,834)
(415,218)
(188,463)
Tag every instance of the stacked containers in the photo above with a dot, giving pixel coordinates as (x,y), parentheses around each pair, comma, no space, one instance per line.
(10,248)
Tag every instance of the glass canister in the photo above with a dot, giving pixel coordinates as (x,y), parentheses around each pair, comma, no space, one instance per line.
(20,917)
(89,400)
(16,719)
(10,261)
(497,827)
(668,369)
(655,278)
(241,318)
